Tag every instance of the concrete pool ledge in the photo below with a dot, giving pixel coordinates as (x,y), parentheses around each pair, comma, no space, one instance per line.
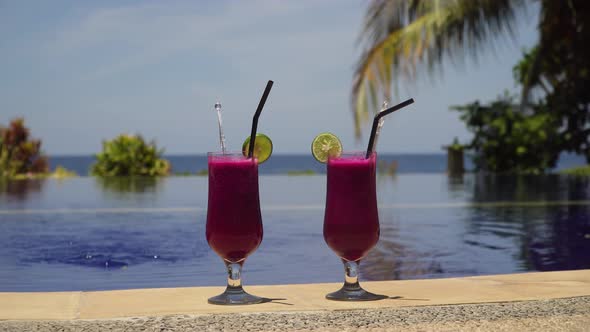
(293,298)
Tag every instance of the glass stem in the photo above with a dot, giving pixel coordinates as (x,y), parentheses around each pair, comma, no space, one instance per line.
(351,275)
(234,277)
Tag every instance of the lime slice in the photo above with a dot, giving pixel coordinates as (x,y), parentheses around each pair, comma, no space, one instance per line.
(325,145)
(262,147)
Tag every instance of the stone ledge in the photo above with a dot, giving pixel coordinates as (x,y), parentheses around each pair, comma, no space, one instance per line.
(293,298)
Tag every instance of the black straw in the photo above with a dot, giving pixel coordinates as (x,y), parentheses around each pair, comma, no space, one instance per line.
(378,116)
(256,116)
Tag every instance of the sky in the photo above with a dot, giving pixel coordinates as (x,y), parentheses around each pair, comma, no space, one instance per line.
(80,72)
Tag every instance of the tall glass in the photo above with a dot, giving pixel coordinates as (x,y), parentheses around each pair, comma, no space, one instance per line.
(351,221)
(234,222)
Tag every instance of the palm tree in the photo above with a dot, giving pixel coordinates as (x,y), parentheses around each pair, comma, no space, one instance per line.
(402,36)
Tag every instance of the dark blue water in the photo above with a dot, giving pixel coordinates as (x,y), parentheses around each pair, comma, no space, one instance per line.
(88,234)
(283,164)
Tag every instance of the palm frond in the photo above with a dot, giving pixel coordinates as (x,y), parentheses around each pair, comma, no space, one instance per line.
(400,36)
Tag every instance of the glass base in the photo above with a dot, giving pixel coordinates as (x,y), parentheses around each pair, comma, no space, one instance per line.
(355,293)
(235,296)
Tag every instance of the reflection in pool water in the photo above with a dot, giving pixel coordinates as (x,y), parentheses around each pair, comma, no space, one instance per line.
(552,238)
(82,234)
(130,185)
(19,190)
(509,224)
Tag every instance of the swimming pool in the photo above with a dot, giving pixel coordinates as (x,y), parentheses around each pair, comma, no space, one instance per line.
(87,234)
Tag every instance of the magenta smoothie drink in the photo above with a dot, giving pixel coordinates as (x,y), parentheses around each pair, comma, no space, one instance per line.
(351,222)
(351,219)
(234,222)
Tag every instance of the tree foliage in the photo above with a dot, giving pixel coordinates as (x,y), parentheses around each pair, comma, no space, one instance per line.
(399,36)
(557,120)
(130,155)
(405,35)
(507,140)
(559,67)
(19,153)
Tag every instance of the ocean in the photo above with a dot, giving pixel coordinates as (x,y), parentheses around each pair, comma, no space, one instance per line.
(431,163)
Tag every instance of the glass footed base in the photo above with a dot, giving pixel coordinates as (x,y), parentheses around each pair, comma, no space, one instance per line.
(354,294)
(235,296)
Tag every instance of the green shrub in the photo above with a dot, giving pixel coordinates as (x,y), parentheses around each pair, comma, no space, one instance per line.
(577,171)
(456,146)
(19,153)
(59,173)
(63,173)
(509,140)
(185,173)
(130,155)
(301,173)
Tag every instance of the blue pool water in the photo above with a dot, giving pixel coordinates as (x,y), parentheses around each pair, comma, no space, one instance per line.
(88,234)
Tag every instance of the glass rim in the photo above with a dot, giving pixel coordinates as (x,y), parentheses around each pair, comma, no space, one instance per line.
(352,153)
(226,153)
(230,155)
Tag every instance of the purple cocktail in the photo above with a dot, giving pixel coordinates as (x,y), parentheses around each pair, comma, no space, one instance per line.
(351,221)
(351,224)
(234,223)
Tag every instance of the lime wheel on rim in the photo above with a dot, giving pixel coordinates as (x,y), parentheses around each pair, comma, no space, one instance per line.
(262,147)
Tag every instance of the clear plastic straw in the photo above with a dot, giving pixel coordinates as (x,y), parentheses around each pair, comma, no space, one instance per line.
(377,122)
(220,123)
(380,125)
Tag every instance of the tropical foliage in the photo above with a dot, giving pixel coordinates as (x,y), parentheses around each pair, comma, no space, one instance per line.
(507,140)
(61,172)
(456,146)
(403,36)
(559,68)
(577,171)
(20,155)
(130,155)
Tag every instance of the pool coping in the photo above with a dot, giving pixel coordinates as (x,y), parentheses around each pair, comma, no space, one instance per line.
(292,298)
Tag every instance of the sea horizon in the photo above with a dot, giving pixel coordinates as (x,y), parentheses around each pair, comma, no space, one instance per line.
(301,154)
(283,163)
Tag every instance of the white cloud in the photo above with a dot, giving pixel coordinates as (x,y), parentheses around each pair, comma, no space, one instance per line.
(136,36)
